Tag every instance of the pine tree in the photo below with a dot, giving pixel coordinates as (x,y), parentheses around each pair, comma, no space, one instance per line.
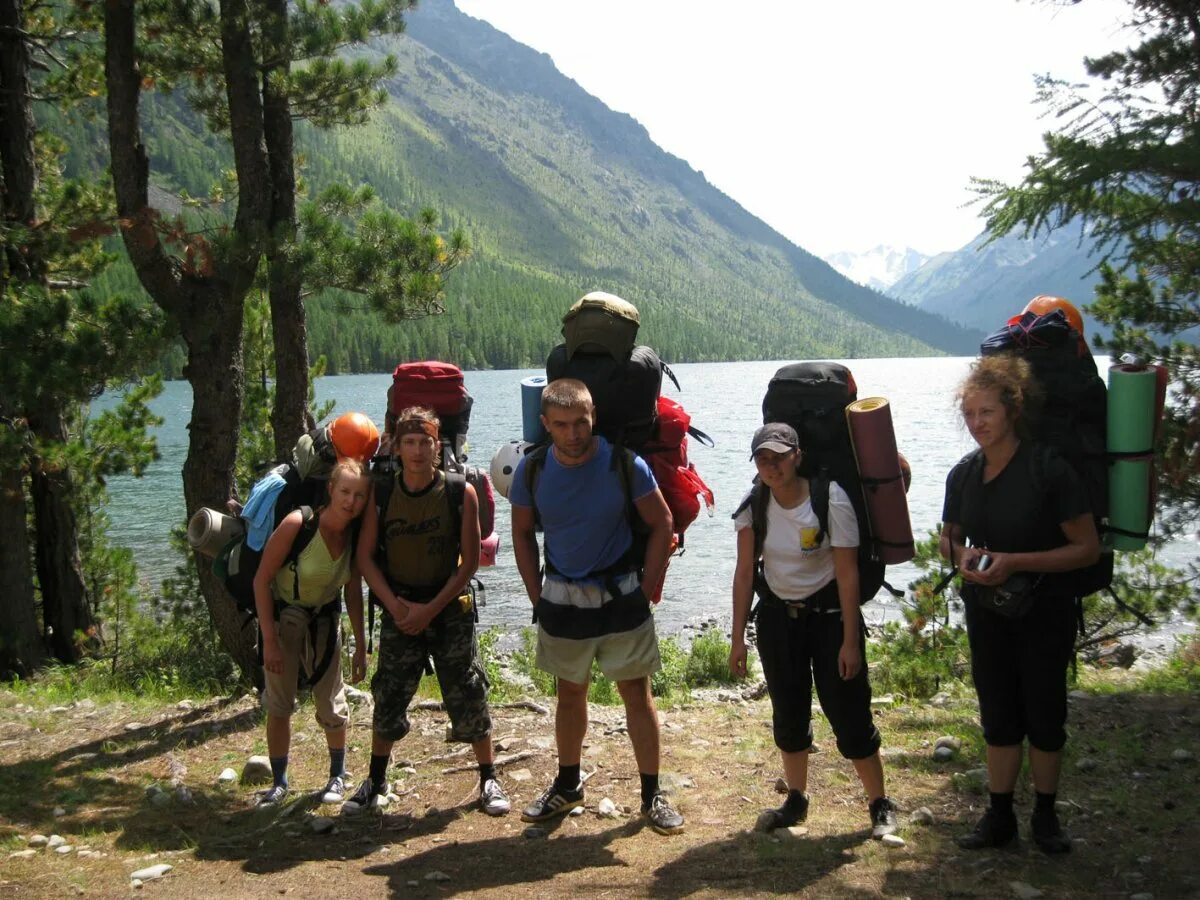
(1126,161)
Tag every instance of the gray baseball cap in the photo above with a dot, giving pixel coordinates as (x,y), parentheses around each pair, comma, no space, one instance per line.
(777,436)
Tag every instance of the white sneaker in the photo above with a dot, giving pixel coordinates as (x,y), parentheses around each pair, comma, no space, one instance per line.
(492,798)
(335,790)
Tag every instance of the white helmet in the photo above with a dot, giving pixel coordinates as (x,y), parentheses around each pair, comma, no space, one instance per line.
(504,464)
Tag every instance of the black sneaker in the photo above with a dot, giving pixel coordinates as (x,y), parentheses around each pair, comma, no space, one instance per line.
(1047,833)
(883,817)
(368,796)
(793,812)
(993,830)
(662,815)
(273,796)
(553,802)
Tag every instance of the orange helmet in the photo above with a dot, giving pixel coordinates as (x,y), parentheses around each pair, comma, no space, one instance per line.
(354,436)
(1045,303)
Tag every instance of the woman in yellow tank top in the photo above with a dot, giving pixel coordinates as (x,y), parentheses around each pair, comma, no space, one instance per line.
(298,615)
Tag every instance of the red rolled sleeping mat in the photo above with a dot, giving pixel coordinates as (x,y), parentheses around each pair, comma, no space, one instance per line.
(879,468)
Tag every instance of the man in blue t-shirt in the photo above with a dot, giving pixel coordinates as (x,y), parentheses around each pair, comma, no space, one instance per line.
(593,603)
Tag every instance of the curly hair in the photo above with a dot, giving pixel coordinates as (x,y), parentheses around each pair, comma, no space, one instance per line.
(1012,379)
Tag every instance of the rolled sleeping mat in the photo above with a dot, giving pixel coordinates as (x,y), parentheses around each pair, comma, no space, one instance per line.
(209,531)
(531,408)
(488,548)
(879,469)
(1132,421)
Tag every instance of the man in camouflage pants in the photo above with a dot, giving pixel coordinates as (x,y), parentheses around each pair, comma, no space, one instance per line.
(418,552)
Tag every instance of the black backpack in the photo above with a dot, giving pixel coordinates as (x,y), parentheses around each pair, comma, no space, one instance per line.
(812,397)
(1072,416)
(624,392)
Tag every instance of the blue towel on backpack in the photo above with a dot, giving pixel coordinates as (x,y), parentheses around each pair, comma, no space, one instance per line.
(259,511)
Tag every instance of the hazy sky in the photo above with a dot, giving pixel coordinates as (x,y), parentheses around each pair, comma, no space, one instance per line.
(842,125)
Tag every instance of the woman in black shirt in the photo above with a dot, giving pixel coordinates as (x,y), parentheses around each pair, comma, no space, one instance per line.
(1016,508)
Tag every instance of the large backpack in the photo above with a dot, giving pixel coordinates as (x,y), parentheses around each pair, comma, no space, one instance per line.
(812,397)
(1072,416)
(439,386)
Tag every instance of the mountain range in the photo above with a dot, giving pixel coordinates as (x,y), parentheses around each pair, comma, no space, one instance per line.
(878,268)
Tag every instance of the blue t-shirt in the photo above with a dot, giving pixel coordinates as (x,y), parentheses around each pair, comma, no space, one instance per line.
(582,509)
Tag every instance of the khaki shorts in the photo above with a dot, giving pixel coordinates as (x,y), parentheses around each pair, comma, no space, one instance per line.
(622,656)
(329,694)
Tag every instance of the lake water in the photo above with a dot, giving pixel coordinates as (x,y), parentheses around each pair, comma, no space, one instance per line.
(724,399)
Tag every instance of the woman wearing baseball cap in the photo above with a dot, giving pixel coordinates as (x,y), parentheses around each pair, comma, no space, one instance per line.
(810,630)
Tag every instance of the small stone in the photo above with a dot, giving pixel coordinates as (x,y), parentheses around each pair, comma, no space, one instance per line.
(1180,755)
(533,832)
(1079,695)
(437,876)
(606,809)
(257,770)
(186,705)
(519,775)
(406,770)
(160,800)
(151,872)
(85,703)
(922,815)
(59,812)
(134,726)
(794,833)
(1024,891)
(1142,896)
(943,754)
(64,849)
(227,776)
(765,821)
(23,854)
(950,741)
(1087,764)
(939,700)
(321,824)
(576,812)
(37,840)
(541,742)
(55,840)
(59,709)
(885,700)
(135,882)
(892,840)
(183,794)
(1064,807)
(781,786)
(1145,860)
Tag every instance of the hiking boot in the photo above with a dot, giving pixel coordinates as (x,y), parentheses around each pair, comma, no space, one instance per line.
(793,812)
(335,789)
(1047,833)
(273,796)
(883,817)
(993,830)
(492,799)
(662,815)
(367,797)
(555,801)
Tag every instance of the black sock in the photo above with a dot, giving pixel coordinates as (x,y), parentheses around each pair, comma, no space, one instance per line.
(568,777)
(279,770)
(486,771)
(378,773)
(795,799)
(1044,802)
(337,762)
(1002,803)
(649,787)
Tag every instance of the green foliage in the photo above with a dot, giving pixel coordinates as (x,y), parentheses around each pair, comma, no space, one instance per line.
(524,661)
(708,660)
(1143,584)
(1126,162)
(670,682)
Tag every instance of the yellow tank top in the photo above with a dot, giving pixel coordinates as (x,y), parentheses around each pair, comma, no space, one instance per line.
(321,576)
(420,540)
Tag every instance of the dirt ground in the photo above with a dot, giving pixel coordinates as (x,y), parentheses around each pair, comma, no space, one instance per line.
(83,771)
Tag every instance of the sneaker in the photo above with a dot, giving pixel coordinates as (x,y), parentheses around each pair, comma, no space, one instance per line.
(883,817)
(554,801)
(662,815)
(492,798)
(791,813)
(993,830)
(367,797)
(273,796)
(1048,834)
(335,789)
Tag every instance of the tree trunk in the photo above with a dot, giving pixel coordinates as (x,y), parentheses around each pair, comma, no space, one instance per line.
(289,416)
(17,190)
(65,611)
(206,304)
(21,649)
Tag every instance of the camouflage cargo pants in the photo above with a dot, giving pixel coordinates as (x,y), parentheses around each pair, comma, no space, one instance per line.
(450,641)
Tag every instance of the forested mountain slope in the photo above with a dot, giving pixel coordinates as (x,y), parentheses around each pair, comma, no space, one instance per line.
(559,195)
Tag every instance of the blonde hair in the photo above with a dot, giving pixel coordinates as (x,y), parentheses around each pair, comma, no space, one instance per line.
(565,393)
(350,468)
(1011,377)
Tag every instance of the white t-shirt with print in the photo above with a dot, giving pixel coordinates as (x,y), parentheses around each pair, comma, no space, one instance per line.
(794,565)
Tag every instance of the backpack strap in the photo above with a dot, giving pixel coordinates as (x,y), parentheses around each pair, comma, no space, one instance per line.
(456,492)
(818,493)
(535,462)
(310,522)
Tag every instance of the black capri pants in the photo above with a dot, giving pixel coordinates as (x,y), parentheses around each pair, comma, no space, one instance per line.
(1020,671)
(797,653)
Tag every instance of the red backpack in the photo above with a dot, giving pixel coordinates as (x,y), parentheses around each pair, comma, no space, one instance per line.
(667,455)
